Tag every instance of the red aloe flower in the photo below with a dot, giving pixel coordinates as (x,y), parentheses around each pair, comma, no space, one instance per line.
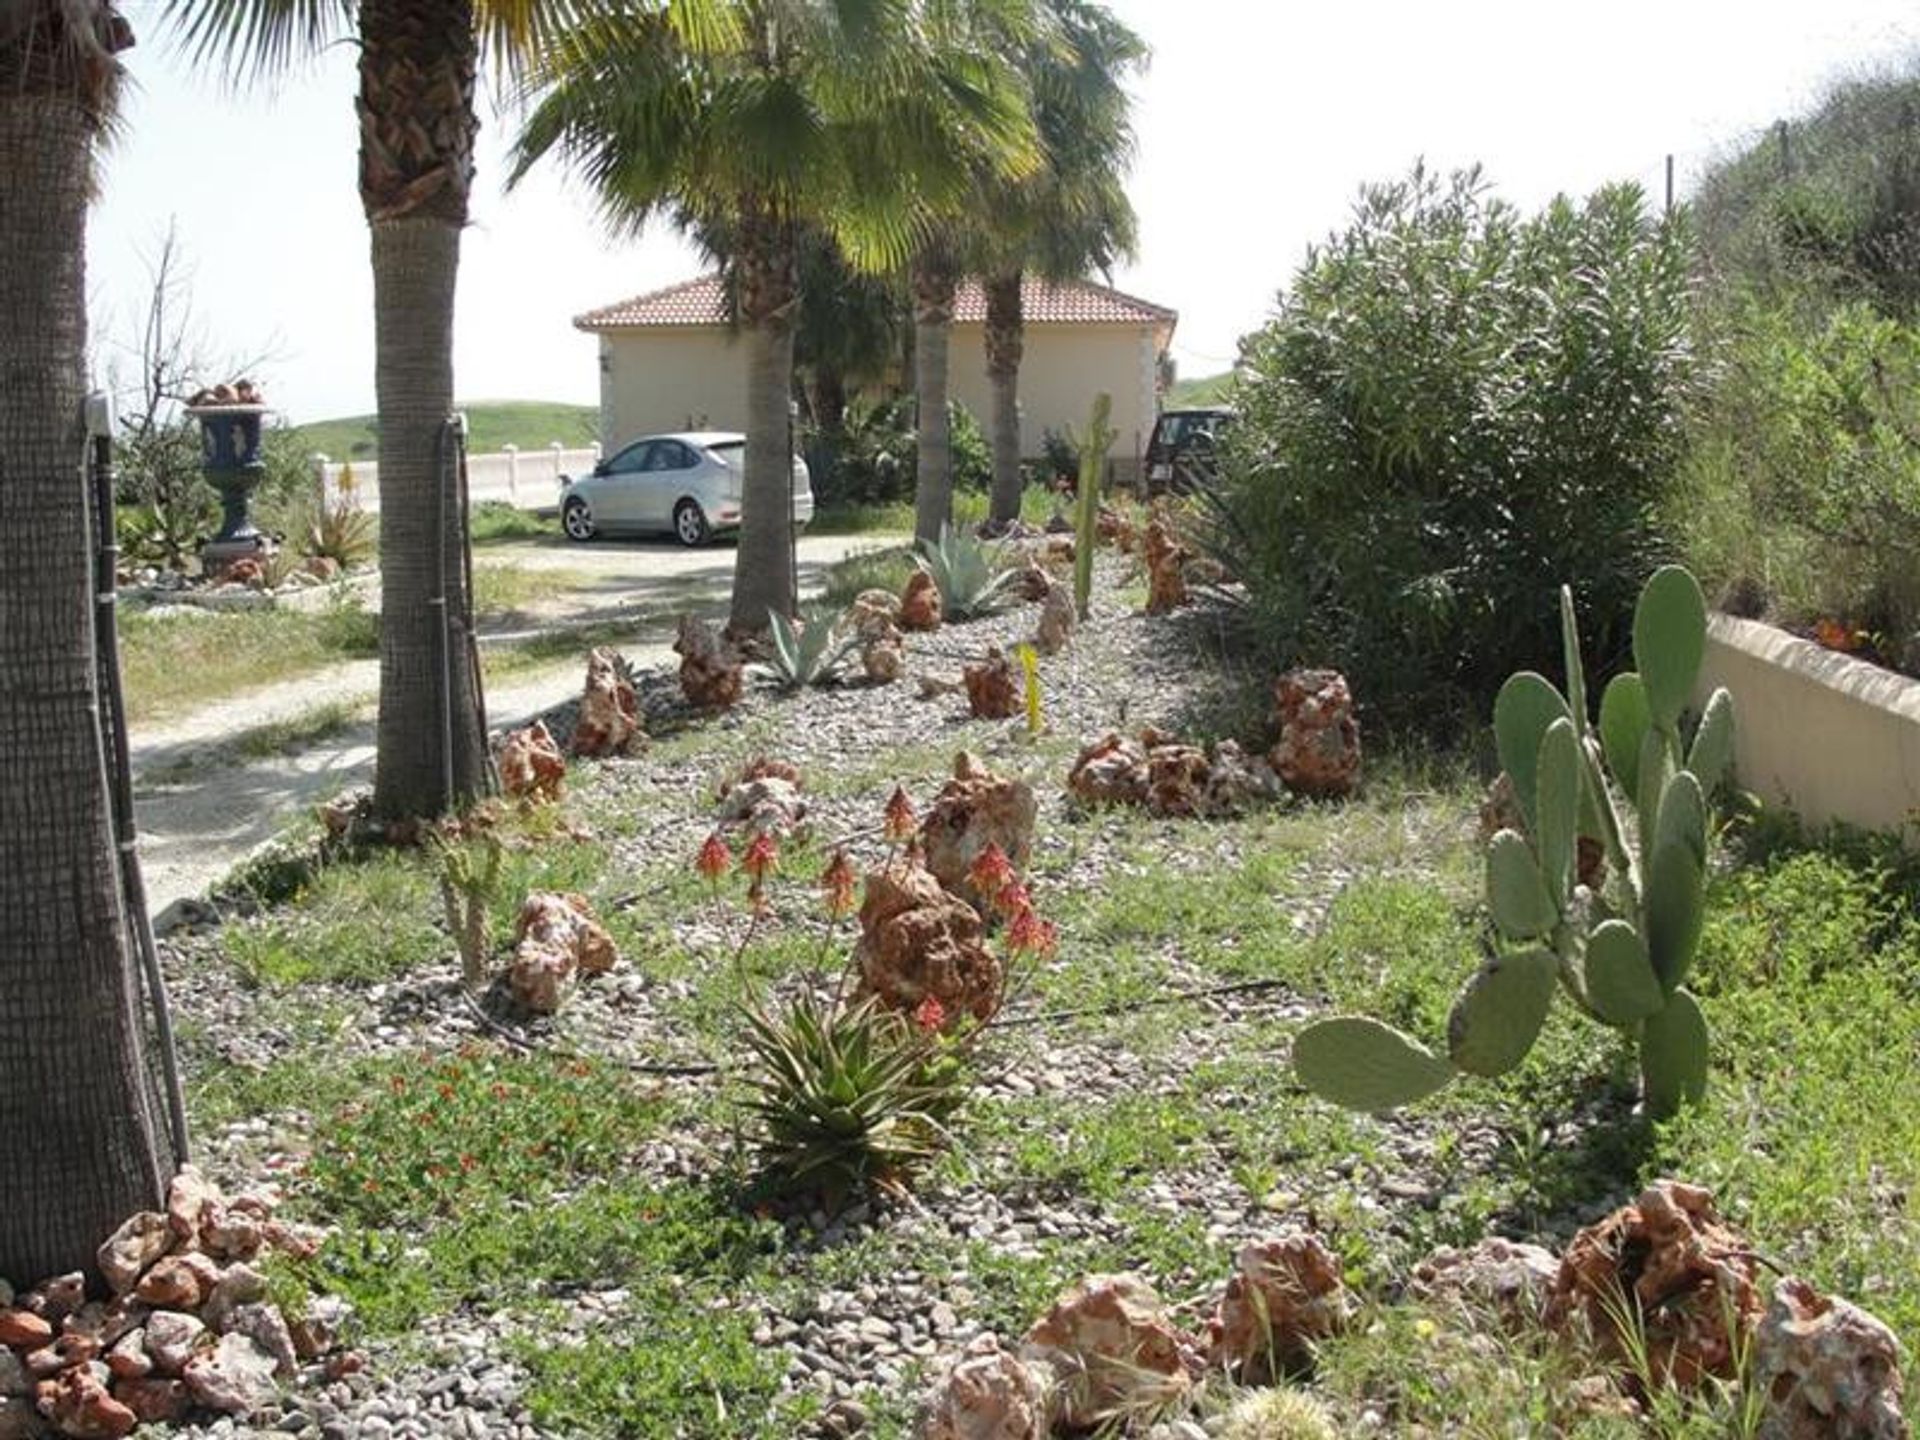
(762,857)
(930,1014)
(901,822)
(1012,898)
(1029,934)
(991,871)
(838,882)
(714,859)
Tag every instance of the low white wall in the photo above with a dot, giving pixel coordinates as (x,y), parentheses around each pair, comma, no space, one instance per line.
(528,479)
(1818,733)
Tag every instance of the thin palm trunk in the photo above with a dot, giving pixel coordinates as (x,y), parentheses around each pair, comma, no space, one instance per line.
(763,577)
(934,283)
(1005,342)
(80,1145)
(417,123)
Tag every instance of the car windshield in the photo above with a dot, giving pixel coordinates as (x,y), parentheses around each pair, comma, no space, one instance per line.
(728,452)
(1177,430)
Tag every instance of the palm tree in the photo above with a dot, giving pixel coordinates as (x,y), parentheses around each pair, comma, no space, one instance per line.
(418,65)
(865,121)
(935,279)
(1071,216)
(80,1142)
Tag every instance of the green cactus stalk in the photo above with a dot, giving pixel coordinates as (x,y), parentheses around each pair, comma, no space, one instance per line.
(1093,444)
(1631,788)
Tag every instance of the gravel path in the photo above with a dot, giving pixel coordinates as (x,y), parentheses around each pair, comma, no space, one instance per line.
(201,810)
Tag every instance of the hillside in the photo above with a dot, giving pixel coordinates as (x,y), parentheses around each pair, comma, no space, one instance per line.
(493,425)
(1201,390)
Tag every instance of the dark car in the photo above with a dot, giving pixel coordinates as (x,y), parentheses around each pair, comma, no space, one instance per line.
(1181,452)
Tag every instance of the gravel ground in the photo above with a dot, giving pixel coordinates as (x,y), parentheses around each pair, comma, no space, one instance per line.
(1124,670)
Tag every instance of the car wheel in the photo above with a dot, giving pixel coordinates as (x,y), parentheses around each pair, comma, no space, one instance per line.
(690,524)
(577,520)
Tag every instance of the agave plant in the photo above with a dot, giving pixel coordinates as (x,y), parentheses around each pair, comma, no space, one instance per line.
(847,1097)
(807,651)
(970,576)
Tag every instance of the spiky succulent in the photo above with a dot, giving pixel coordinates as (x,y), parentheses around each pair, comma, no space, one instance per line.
(807,651)
(970,576)
(848,1097)
(1631,789)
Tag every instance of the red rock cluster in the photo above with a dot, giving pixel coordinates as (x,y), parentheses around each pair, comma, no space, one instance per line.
(765,797)
(1283,1295)
(556,938)
(247,571)
(993,689)
(1057,620)
(1166,566)
(1113,1350)
(531,765)
(1110,527)
(1166,776)
(973,810)
(609,722)
(918,941)
(189,1325)
(1318,753)
(874,618)
(920,605)
(711,670)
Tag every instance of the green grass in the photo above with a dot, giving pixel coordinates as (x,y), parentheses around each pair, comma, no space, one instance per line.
(1201,390)
(179,662)
(494,521)
(492,425)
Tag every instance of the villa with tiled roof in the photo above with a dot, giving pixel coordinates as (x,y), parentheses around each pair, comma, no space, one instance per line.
(669,361)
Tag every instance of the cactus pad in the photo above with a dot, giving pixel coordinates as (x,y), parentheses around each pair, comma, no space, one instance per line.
(1365,1065)
(1674,1044)
(1669,641)
(1526,706)
(1498,1016)
(1712,752)
(1675,904)
(1621,985)
(1522,908)
(1557,808)
(1624,722)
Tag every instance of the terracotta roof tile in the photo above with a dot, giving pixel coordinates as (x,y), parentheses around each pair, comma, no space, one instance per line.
(702,301)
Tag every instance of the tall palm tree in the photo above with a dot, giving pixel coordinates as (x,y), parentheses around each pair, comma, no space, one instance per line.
(1071,215)
(418,65)
(935,280)
(865,121)
(80,1143)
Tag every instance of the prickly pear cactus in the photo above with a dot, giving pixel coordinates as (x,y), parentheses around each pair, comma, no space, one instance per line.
(1631,784)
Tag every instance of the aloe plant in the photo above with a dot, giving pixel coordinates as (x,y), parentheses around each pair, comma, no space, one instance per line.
(970,576)
(808,651)
(1634,789)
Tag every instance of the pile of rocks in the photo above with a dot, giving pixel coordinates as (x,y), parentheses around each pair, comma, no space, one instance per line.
(609,719)
(976,809)
(189,1325)
(711,670)
(765,797)
(1667,1265)
(874,618)
(1166,776)
(556,939)
(530,764)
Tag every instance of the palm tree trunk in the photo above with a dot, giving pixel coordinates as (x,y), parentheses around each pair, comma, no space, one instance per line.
(80,1145)
(934,283)
(1005,338)
(417,64)
(763,577)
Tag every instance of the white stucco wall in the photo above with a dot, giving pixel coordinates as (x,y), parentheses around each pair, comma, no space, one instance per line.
(1063,368)
(692,378)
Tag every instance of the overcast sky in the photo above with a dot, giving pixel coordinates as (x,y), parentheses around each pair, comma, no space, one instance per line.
(1257,123)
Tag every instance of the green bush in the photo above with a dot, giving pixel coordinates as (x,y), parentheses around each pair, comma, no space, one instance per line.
(876,465)
(1453,408)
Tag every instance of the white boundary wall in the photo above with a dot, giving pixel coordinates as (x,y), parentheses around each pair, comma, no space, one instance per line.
(525,479)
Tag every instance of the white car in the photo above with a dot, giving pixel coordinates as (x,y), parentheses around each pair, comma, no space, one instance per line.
(686,485)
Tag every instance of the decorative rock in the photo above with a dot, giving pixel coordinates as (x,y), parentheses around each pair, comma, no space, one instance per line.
(989,1394)
(187,1196)
(128,1359)
(1688,1275)
(993,689)
(230,1233)
(322,1328)
(154,1399)
(1110,527)
(1169,777)
(1827,1368)
(1031,582)
(176,1283)
(236,1378)
(23,1330)
(609,722)
(883,660)
(79,1406)
(1057,621)
(973,810)
(531,765)
(766,801)
(1510,1279)
(874,613)
(555,936)
(20,1420)
(1113,1350)
(14,1379)
(64,1353)
(321,567)
(711,671)
(917,940)
(241,1285)
(248,572)
(1318,752)
(1166,567)
(129,1251)
(54,1300)
(267,1328)
(1283,1295)
(172,1338)
(920,604)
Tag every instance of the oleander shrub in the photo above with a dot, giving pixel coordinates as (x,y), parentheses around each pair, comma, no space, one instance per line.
(1454,407)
